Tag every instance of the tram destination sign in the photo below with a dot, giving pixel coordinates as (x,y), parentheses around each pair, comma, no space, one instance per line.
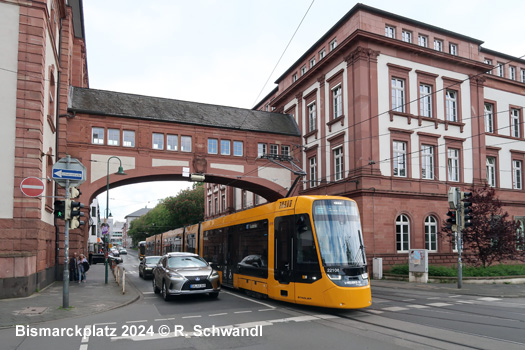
(72,170)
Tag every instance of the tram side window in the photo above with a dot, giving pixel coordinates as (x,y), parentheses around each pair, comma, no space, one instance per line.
(253,249)
(190,243)
(213,249)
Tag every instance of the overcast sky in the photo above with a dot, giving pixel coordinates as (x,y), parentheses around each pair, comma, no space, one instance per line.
(224,51)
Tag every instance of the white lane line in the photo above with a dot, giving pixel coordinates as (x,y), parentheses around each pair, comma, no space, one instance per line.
(221,314)
(489,299)
(137,321)
(257,326)
(103,324)
(439,304)
(243,312)
(419,306)
(195,316)
(394,308)
(253,301)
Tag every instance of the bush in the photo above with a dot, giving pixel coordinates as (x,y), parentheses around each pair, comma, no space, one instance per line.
(468,271)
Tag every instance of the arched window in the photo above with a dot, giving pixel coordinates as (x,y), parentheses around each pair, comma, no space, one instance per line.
(431,233)
(402,233)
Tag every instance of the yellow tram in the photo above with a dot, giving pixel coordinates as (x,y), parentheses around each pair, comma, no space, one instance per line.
(304,250)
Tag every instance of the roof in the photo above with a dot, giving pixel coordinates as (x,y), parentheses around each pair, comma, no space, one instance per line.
(379,12)
(110,103)
(138,213)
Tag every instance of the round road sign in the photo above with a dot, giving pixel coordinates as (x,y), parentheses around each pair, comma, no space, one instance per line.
(32,186)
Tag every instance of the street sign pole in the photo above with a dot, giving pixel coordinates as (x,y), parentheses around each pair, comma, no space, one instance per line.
(65,294)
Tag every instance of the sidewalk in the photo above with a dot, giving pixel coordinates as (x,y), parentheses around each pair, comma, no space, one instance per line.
(499,290)
(88,298)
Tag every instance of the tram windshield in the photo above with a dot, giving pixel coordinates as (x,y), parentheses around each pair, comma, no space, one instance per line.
(338,230)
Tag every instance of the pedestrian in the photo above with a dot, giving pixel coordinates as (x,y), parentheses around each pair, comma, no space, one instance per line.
(81,269)
(73,269)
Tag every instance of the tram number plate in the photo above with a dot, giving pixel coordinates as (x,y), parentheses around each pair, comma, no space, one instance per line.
(195,286)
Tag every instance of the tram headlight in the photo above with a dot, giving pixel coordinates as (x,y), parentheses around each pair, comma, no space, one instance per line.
(334,277)
(364,276)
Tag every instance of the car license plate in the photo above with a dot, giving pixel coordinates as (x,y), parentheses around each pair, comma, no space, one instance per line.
(194,286)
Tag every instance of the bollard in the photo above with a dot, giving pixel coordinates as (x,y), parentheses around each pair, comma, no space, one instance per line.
(123,280)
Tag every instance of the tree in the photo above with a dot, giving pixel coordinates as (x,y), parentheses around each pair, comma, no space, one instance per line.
(187,208)
(493,235)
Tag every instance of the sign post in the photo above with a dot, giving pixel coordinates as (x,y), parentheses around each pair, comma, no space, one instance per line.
(68,172)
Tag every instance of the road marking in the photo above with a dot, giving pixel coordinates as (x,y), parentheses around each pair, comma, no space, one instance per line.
(221,314)
(261,324)
(375,311)
(194,316)
(148,292)
(138,321)
(244,312)
(394,308)
(103,324)
(419,306)
(440,304)
(465,301)
(253,301)
(489,299)
(160,319)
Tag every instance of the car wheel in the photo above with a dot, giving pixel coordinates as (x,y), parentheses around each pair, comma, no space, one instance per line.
(140,274)
(165,293)
(156,289)
(214,295)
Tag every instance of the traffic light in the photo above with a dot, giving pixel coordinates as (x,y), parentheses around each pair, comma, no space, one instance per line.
(67,209)
(60,210)
(76,214)
(75,192)
(466,210)
(452,220)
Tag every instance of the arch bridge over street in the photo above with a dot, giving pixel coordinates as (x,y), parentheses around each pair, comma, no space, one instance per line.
(164,139)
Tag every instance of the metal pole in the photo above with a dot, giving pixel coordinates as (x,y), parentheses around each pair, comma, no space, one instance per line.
(65,289)
(106,236)
(459,239)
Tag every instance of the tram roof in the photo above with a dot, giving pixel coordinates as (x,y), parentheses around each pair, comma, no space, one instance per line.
(117,104)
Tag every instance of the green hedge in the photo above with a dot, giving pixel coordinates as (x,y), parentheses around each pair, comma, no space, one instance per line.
(468,271)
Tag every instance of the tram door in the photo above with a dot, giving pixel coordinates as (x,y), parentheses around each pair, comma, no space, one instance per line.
(227,273)
(284,227)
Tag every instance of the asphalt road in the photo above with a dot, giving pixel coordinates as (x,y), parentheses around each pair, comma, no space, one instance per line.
(396,320)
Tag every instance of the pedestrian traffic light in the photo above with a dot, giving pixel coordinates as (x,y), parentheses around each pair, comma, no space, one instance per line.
(466,210)
(60,210)
(75,192)
(76,214)
(67,209)
(451,221)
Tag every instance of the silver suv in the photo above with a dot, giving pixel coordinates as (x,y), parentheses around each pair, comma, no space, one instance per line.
(185,273)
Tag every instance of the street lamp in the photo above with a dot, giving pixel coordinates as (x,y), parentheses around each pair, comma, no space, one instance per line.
(119,172)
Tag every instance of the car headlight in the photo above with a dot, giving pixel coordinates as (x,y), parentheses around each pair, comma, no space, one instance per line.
(175,276)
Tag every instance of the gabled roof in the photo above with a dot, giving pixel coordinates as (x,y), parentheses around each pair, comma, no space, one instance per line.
(110,103)
(138,213)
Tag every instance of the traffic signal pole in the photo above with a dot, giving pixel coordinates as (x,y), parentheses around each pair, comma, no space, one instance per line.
(65,292)
(459,239)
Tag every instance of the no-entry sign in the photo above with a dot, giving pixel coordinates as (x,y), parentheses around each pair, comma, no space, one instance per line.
(32,186)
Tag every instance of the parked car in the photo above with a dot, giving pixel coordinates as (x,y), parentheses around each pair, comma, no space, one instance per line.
(123,251)
(147,265)
(185,273)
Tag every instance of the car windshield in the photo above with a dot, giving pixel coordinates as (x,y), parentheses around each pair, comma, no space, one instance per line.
(152,259)
(338,231)
(186,261)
